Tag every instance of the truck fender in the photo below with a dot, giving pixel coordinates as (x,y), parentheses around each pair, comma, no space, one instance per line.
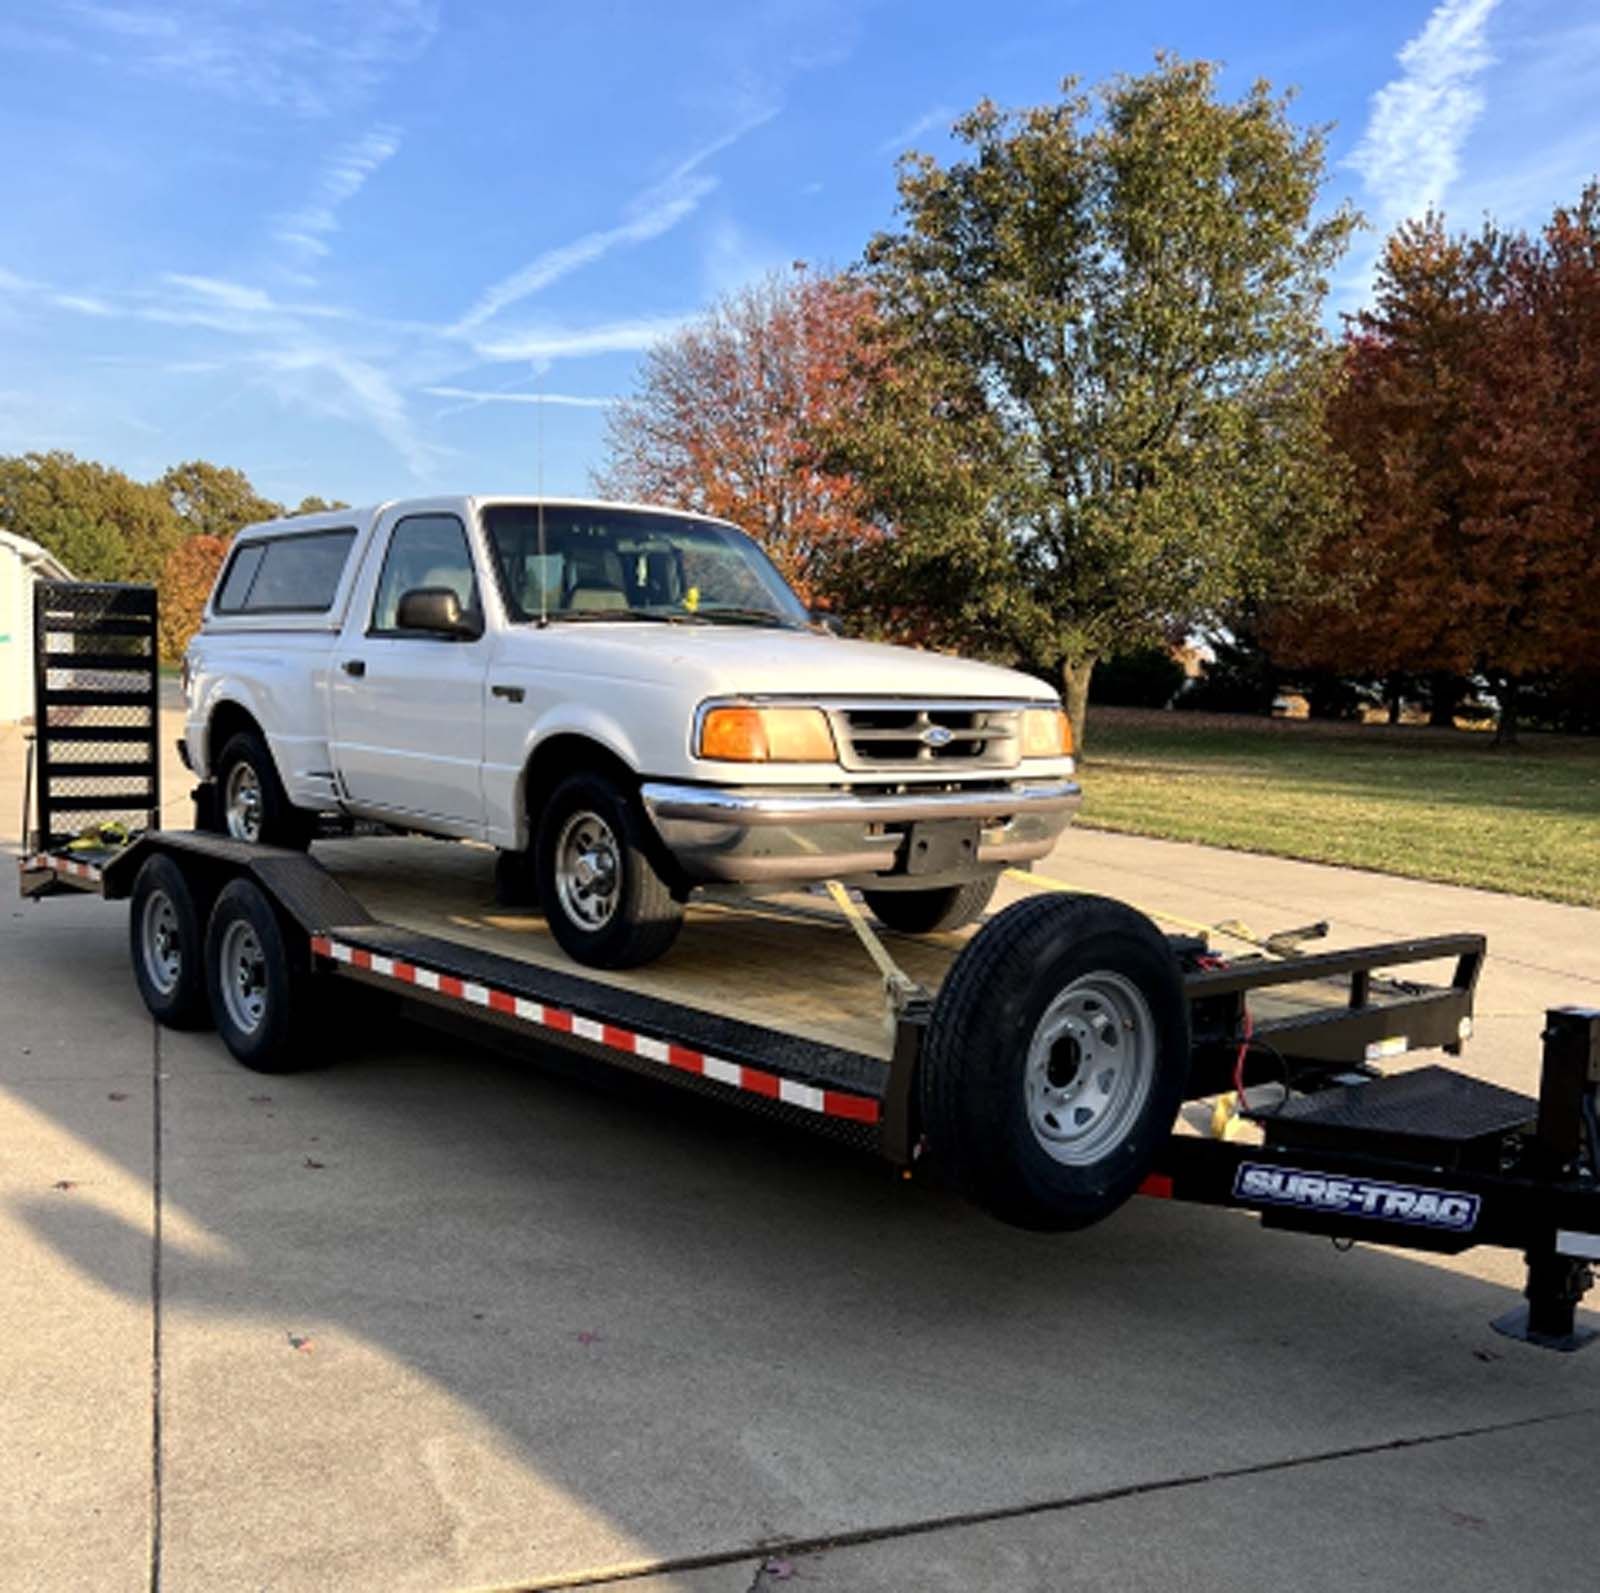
(565,720)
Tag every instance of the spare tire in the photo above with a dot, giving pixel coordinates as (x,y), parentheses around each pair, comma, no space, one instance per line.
(1056,1060)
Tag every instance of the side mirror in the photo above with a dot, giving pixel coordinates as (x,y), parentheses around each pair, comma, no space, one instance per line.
(435,610)
(827,620)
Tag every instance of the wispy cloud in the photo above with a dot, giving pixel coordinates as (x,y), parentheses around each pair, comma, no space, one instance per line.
(83,303)
(343,176)
(469,395)
(331,381)
(656,210)
(556,343)
(310,65)
(939,116)
(1410,151)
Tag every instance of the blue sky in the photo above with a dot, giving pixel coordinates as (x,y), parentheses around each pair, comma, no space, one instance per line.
(371,248)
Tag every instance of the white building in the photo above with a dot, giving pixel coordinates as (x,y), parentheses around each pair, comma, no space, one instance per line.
(21,564)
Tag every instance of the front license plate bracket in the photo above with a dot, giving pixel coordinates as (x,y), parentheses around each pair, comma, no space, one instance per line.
(939,846)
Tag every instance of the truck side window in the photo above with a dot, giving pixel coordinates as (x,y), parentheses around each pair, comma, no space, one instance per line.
(294,574)
(424,550)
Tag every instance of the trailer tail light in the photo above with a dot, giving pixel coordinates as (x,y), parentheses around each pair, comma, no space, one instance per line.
(1046,733)
(766,735)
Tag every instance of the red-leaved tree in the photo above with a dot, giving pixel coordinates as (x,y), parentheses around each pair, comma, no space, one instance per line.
(186,580)
(1469,415)
(728,415)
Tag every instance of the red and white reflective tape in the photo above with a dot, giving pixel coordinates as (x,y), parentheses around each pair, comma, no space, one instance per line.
(737,1075)
(61,865)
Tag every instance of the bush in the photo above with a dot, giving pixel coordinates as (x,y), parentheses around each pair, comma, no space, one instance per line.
(1570,704)
(1148,678)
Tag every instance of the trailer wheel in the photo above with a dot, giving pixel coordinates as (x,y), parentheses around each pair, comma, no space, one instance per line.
(253,804)
(167,947)
(933,911)
(1056,1060)
(259,995)
(603,899)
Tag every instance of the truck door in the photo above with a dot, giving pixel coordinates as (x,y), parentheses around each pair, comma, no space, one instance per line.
(408,705)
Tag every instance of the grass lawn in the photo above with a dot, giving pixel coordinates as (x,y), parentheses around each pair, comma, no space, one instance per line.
(1428,804)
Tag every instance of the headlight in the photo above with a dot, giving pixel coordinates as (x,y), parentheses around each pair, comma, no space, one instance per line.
(766,735)
(1046,733)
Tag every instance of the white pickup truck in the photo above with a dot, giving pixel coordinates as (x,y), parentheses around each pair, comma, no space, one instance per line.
(631,698)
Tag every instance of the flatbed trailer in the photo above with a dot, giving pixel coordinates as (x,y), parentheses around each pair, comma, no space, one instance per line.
(264,943)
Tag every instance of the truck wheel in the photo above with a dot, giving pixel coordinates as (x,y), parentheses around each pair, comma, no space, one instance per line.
(603,899)
(254,805)
(1056,1060)
(167,947)
(260,995)
(930,912)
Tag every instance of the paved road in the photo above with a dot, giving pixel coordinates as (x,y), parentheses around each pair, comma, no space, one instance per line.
(433,1320)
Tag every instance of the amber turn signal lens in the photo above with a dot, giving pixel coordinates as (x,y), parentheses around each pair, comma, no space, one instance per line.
(1046,733)
(767,735)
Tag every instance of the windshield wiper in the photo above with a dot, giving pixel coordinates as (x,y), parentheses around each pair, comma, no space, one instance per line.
(746,616)
(576,616)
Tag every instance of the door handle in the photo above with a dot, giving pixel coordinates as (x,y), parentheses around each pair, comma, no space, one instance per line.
(354,666)
(510,693)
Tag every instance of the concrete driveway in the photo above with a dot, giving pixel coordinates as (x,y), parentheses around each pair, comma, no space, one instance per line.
(430,1319)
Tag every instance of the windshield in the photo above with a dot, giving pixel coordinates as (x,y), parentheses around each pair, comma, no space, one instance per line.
(600,563)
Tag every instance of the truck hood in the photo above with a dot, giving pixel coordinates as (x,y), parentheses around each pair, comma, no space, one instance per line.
(751,661)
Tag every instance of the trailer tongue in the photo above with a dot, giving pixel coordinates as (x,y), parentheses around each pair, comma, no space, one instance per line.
(1042,1077)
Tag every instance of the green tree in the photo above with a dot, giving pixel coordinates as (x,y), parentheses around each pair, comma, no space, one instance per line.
(1102,414)
(101,524)
(311,504)
(215,500)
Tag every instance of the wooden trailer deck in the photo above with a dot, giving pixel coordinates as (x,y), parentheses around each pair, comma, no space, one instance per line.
(790,961)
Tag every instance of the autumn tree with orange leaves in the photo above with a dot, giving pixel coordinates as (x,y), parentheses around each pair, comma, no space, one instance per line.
(727,413)
(1469,413)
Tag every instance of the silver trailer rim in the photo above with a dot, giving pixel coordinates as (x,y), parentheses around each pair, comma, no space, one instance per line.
(1091,1067)
(243,974)
(159,944)
(241,799)
(588,870)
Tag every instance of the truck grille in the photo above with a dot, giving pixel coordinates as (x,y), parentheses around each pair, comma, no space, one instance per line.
(953,736)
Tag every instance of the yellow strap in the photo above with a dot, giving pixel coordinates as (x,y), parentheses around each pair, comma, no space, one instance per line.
(1232,929)
(895,979)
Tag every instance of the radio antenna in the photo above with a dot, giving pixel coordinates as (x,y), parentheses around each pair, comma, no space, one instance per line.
(538,478)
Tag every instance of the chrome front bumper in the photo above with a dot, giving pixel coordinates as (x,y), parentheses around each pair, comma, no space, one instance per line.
(755,835)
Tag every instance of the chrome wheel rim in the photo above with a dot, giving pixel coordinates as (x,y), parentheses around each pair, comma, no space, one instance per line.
(242,968)
(588,870)
(242,803)
(159,944)
(1091,1066)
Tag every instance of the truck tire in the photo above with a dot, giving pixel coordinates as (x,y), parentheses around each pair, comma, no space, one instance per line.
(251,800)
(603,899)
(932,912)
(260,993)
(1056,1060)
(167,946)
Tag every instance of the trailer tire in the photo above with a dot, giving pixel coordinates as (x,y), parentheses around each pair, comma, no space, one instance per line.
(932,912)
(167,946)
(603,898)
(1056,1060)
(252,804)
(259,991)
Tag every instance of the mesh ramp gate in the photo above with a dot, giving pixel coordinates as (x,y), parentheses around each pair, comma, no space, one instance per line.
(96,710)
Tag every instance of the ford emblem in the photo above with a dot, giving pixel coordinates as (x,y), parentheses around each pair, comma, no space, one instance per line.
(937,736)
